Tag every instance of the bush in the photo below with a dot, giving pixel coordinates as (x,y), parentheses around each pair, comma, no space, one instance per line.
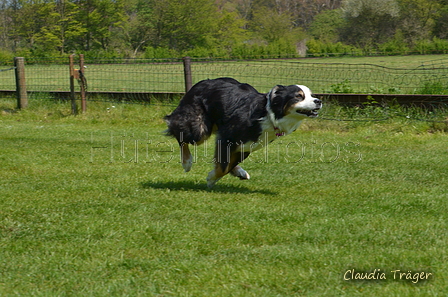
(6,57)
(440,46)
(243,50)
(160,53)
(343,87)
(433,88)
(282,48)
(395,46)
(317,48)
(423,47)
(202,52)
(434,46)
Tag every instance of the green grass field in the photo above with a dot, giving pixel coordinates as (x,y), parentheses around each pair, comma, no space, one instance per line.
(98,205)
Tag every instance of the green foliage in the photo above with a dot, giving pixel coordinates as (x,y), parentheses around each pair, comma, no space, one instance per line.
(72,27)
(159,28)
(159,53)
(326,26)
(101,54)
(180,25)
(342,87)
(395,46)
(369,22)
(230,30)
(318,48)
(280,48)
(434,87)
(441,23)
(6,57)
(418,19)
(275,27)
(200,52)
(434,46)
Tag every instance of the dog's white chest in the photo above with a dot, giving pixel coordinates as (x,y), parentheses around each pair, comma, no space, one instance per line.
(270,133)
(264,139)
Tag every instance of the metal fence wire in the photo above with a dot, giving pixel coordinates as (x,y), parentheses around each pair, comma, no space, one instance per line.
(331,77)
(134,80)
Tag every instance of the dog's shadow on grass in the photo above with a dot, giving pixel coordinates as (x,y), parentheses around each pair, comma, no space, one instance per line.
(202,187)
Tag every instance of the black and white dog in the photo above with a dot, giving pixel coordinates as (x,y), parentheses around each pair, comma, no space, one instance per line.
(242,117)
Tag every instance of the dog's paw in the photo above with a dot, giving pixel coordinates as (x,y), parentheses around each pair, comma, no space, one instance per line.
(212,179)
(240,172)
(187,164)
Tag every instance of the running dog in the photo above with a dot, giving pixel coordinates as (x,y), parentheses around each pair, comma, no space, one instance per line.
(242,118)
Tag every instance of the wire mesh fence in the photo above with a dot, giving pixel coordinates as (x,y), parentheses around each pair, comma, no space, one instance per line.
(7,78)
(134,80)
(332,77)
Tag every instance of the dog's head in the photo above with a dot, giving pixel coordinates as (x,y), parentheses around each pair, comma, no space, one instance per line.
(294,100)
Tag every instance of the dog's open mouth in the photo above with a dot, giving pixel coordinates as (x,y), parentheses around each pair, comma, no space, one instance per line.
(309,113)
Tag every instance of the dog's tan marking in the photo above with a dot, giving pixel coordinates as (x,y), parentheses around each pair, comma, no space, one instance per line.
(217,173)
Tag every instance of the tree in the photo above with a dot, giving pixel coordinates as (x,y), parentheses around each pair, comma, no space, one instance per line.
(98,17)
(137,30)
(418,18)
(327,25)
(230,29)
(70,27)
(272,26)
(182,25)
(34,24)
(441,24)
(5,20)
(302,11)
(369,22)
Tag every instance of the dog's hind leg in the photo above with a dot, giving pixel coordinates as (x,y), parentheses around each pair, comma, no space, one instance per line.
(225,162)
(222,160)
(186,157)
(240,172)
(237,170)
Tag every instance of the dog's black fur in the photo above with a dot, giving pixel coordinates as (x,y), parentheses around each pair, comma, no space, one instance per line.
(236,112)
(225,103)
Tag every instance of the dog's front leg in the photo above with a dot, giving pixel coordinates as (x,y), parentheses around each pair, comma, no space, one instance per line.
(186,157)
(226,160)
(222,160)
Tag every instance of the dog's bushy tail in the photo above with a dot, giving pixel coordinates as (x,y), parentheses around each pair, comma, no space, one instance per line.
(168,131)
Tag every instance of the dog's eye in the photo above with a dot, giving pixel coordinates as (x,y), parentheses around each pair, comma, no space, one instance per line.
(300,96)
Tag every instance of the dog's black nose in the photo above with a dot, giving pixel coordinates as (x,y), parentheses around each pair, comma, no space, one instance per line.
(318,101)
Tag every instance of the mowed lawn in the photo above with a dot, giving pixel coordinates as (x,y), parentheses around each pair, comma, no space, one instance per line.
(98,205)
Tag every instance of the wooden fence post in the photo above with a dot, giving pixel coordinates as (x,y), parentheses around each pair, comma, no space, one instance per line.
(187,73)
(83,85)
(22,96)
(72,83)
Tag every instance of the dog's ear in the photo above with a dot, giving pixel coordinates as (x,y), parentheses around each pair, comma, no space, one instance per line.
(274,91)
(275,100)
